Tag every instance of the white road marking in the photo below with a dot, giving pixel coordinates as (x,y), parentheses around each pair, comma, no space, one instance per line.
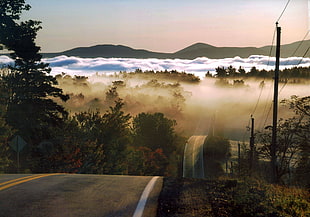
(141,205)
(193,154)
(184,160)
(201,156)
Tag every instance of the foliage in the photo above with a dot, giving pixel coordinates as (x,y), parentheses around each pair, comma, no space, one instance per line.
(216,150)
(287,146)
(31,109)
(5,130)
(253,198)
(289,201)
(116,134)
(86,142)
(229,197)
(292,149)
(144,161)
(301,107)
(295,74)
(155,132)
(166,75)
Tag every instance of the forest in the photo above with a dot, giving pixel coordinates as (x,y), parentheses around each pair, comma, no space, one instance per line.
(133,123)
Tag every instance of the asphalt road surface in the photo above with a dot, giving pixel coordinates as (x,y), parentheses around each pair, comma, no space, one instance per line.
(193,157)
(66,195)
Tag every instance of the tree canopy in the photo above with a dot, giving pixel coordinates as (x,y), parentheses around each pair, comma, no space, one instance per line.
(31,108)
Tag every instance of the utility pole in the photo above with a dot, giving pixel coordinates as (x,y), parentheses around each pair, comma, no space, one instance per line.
(252,145)
(275,108)
(239,160)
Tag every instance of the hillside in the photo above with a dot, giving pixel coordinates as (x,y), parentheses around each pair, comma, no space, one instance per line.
(191,52)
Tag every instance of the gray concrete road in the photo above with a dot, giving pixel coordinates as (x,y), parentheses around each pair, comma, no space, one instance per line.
(66,195)
(193,165)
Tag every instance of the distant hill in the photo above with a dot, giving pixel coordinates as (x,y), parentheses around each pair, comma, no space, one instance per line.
(191,52)
(118,51)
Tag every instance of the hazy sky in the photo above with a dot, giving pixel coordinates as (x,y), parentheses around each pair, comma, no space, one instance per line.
(165,25)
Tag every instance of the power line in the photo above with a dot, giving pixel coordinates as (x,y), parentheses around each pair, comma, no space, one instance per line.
(283,10)
(265,112)
(301,43)
(273,37)
(303,57)
(297,48)
(295,66)
(261,90)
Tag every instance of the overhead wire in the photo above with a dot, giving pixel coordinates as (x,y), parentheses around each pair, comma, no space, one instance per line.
(269,92)
(267,115)
(303,57)
(283,11)
(270,53)
(261,91)
(300,61)
(302,41)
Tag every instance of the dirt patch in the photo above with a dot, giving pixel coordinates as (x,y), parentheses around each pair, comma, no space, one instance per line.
(184,197)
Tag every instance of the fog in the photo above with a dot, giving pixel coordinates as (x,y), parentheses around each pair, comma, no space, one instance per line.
(199,66)
(194,106)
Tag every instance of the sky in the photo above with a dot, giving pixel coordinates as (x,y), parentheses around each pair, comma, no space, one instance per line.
(165,25)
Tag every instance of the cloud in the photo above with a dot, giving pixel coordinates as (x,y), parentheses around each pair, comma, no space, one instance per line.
(198,66)
(5,60)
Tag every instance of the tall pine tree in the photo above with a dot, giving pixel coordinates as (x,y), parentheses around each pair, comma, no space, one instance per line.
(31,107)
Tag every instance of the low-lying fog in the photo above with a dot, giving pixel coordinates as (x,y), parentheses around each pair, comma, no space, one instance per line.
(192,105)
(199,66)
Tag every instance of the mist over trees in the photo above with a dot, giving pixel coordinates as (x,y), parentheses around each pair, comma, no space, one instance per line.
(292,150)
(130,122)
(87,142)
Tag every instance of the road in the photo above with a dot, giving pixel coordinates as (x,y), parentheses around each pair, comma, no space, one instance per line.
(66,195)
(193,165)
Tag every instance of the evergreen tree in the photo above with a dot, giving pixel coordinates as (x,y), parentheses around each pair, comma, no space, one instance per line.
(31,106)
(5,130)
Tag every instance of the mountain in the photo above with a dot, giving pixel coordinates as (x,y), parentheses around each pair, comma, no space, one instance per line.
(117,51)
(191,52)
(205,50)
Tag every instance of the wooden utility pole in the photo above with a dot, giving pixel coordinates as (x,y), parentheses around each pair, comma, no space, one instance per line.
(275,108)
(239,159)
(252,146)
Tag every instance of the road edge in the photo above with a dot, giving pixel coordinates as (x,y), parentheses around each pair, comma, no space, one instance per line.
(147,205)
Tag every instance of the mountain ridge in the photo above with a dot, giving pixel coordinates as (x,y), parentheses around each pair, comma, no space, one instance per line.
(191,52)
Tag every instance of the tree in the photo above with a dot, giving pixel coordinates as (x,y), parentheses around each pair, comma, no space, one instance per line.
(220,72)
(241,71)
(292,149)
(31,108)
(144,161)
(287,146)
(116,135)
(301,107)
(154,131)
(216,150)
(5,130)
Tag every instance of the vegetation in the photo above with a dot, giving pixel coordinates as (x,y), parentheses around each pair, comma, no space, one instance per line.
(226,197)
(102,138)
(30,108)
(166,75)
(216,150)
(292,151)
(232,77)
(292,73)
(84,142)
